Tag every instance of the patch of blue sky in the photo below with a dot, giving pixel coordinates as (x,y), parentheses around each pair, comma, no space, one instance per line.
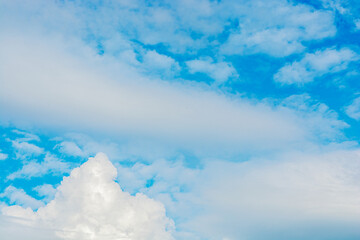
(18,158)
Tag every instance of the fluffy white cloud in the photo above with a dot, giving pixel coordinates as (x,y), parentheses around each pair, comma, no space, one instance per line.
(353,110)
(90,205)
(314,65)
(219,71)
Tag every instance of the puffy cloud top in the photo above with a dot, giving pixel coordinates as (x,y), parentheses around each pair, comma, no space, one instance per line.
(90,205)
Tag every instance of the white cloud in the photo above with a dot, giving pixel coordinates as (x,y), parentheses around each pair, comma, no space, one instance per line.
(50,164)
(70,148)
(357,24)
(25,150)
(64,87)
(314,65)
(16,229)
(46,191)
(291,196)
(160,64)
(116,100)
(90,205)
(26,136)
(3,156)
(323,120)
(277,28)
(19,197)
(353,110)
(219,71)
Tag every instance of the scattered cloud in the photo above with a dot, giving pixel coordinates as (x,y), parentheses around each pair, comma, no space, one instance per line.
(277,28)
(19,197)
(3,156)
(50,164)
(128,104)
(70,148)
(219,71)
(353,110)
(26,150)
(26,136)
(161,65)
(314,65)
(46,191)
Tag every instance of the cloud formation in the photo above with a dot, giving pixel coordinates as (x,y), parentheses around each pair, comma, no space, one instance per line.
(314,65)
(90,205)
(353,110)
(292,196)
(219,71)
(54,84)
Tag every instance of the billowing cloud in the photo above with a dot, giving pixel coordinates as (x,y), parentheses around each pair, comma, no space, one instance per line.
(90,205)
(314,65)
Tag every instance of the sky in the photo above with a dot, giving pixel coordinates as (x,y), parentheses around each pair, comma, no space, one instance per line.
(180,119)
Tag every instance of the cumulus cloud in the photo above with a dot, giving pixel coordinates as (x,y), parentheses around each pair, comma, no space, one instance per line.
(314,65)
(90,205)
(219,71)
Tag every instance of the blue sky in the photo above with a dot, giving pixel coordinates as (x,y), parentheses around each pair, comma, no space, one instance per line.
(192,119)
